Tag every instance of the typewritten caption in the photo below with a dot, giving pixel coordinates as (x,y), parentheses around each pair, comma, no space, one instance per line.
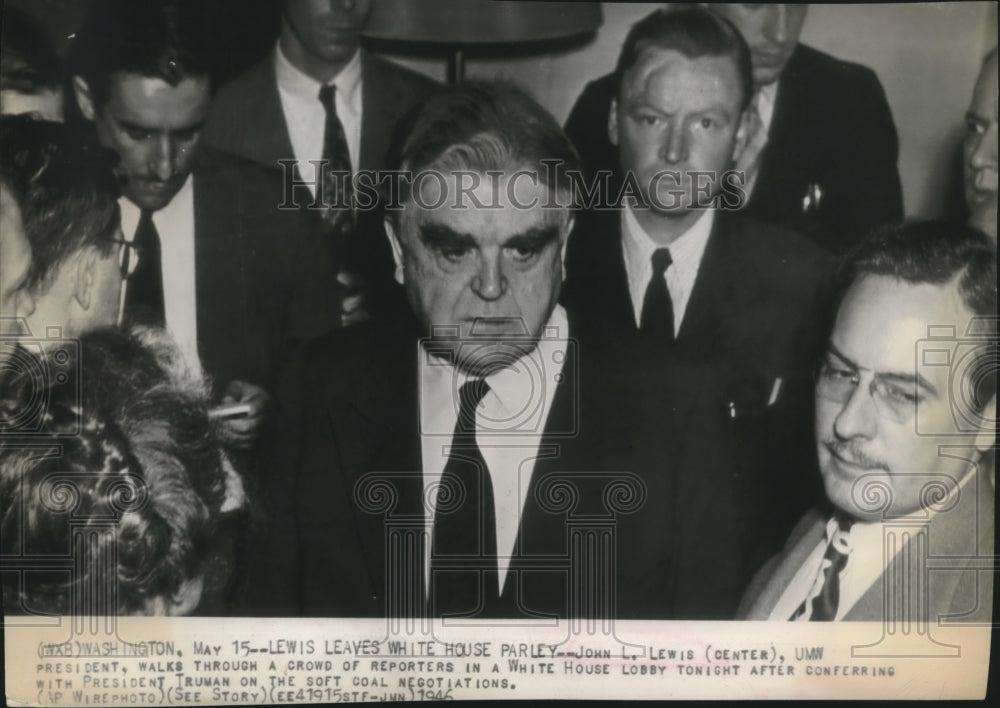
(143,661)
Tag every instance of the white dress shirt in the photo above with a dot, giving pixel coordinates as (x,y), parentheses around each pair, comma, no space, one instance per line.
(175,226)
(305,115)
(865,563)
(515,411)
(686,253)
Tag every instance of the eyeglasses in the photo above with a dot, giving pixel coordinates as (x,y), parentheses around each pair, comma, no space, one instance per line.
(836,381)
(128,258)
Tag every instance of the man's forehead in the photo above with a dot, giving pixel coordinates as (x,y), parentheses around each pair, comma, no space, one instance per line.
(882,320)
(154,101)
(482,205)
(984,98)
(667,74)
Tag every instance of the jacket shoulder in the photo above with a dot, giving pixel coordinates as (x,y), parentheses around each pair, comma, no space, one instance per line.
(391,78)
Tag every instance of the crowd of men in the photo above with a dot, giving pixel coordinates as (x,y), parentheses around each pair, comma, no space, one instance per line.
(682,359)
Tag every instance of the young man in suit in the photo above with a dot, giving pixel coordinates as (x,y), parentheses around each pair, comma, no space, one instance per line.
(821,143)
(233,278)
(676,270)
(980,150)
(488,440)
(905,409)
(320,96)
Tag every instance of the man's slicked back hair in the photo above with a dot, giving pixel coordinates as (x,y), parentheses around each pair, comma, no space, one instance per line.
(482,126)
(692,31)
(164,39)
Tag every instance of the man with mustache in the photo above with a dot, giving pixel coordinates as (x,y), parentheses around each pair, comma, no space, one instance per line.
(231,277)
(821,148)
(905,410)
(980,150)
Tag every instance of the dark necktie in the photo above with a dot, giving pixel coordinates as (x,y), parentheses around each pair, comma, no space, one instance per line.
(825,604)
(338,191)
(144,292)
(464,545)
(657,319)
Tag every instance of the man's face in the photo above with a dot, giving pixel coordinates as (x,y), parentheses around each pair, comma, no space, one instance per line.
(862,441)
(328,30)
(499,267)
(676,114)
(155,129)
(980,151)
(771,30)
(15,255)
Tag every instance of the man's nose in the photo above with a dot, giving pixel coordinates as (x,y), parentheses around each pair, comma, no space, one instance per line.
(777,23)
(984,153)
(163,159)
(674,149)
(489,281)
(858,418)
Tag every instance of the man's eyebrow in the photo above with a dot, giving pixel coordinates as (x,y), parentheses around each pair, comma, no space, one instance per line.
(892,376)
(440,235)
(536,237)
(128,125)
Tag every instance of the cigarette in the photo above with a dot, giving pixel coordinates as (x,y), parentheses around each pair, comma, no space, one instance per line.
(237,410)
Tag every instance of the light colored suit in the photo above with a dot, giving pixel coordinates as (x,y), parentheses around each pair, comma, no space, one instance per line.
(959,537)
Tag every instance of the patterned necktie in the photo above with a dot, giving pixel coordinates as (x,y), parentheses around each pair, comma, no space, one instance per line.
(657,320)
(338,190)
(464,546)
(144,291)
(823,607)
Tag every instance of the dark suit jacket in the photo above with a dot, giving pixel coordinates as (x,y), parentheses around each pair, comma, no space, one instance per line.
(247,120)
(959,540)
(262,275)
(757,313)
(327,551)
(831,127)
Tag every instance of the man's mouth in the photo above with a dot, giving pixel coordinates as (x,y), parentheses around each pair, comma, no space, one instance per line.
(849,456)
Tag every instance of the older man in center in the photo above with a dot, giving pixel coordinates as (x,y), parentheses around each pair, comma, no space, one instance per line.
(455,480)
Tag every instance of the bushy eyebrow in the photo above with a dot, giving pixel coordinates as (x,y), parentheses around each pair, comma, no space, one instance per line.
(535,238)
(893,376)
(436,235)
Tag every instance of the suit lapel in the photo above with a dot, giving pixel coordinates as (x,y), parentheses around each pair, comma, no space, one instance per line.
(270,141)
(377,123)
(219,282)
(385,443)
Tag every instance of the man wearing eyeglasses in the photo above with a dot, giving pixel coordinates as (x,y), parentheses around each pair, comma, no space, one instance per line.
(905,410)
(67,198)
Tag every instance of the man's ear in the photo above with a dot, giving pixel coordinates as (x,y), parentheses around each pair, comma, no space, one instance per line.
(613,122)
(84,98)
(986,439)
(86,276)
(397,249)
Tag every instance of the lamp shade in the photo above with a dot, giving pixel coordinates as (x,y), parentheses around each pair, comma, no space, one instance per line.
(480,21)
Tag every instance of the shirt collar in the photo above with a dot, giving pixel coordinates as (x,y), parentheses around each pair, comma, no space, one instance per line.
(178,207)
(512,388)
(294,81)
(686,251)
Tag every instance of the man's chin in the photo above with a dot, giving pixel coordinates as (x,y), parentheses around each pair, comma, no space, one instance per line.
(151,200)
